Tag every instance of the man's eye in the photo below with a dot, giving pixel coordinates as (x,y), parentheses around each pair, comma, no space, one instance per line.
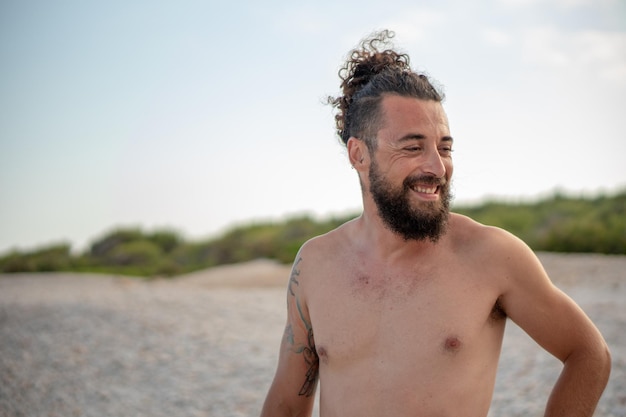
(413,148)
(446,150)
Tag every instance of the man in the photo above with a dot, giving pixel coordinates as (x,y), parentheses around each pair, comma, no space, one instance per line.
(401,312)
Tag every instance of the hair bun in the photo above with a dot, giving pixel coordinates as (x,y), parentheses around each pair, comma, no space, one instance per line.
(373,56)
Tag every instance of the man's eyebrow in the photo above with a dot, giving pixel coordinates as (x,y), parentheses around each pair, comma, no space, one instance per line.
(419,136)
(447,139)
(411,136)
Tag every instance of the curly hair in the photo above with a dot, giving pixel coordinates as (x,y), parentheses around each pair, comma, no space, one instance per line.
(369,73)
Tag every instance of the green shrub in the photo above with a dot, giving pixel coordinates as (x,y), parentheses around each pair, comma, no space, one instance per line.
(559,223)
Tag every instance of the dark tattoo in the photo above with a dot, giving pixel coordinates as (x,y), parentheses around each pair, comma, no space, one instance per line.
(294,274)
(308,351)
(313,361)
(289,335)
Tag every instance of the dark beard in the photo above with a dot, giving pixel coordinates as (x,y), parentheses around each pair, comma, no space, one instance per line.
(412,223)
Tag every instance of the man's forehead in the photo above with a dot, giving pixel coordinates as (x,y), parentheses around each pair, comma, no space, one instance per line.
(399,104)
(399,112)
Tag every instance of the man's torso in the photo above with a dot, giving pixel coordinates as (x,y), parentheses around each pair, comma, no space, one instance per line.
(413,337)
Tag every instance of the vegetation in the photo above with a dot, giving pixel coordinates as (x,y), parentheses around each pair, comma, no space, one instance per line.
(558,223)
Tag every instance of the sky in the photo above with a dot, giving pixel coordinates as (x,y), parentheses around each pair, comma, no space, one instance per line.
(198,116)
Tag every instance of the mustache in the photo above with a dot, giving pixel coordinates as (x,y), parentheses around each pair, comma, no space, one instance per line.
(424,180)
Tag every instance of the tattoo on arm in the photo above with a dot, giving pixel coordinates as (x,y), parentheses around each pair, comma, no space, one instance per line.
(295,272)
(313,362)
(308,351)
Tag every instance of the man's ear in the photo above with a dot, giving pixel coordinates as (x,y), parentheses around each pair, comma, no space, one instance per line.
(357,152)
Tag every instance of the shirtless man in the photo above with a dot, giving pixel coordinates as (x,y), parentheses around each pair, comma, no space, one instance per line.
(401,312)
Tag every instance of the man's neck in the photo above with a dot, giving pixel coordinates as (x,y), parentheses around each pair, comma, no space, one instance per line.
(386,244)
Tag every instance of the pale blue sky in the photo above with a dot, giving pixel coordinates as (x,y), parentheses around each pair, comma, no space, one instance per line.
(200,115)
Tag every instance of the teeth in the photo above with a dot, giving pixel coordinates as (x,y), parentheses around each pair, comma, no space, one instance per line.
(426,190)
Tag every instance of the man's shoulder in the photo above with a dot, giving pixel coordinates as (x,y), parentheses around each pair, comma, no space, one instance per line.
(466,231)
(461,225)
(489,248)
(327,243)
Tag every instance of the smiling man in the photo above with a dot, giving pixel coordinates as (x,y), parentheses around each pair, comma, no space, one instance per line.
(401,311)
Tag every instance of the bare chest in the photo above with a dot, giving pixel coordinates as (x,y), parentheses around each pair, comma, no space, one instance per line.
(427,312)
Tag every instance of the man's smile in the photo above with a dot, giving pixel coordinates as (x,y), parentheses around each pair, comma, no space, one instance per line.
(428,189)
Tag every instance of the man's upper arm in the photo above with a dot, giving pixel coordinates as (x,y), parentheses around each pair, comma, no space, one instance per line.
(293,389)
(542,310)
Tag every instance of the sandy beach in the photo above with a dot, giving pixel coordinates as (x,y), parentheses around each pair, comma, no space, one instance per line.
(206,344)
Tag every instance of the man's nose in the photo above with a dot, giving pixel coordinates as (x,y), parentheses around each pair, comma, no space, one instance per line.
(434,164)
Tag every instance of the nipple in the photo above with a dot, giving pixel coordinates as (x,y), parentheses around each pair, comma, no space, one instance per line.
(452,344)
(322,354)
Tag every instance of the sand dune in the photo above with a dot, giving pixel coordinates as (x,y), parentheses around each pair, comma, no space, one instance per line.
(253,274)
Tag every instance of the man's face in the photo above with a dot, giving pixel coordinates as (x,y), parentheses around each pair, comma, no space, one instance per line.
(412,221)
(409,174)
